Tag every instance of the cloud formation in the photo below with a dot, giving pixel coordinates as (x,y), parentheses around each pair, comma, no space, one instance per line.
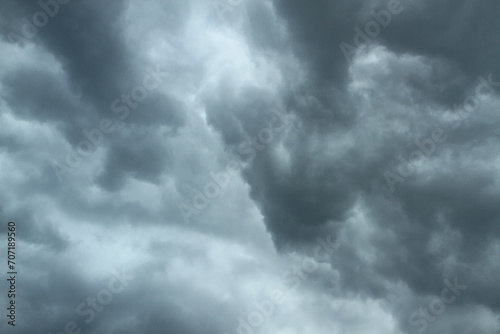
(118,114)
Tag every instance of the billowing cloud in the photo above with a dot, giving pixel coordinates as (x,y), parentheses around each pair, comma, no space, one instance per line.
(235,166)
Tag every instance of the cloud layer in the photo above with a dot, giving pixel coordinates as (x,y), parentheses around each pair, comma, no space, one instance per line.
(194,160)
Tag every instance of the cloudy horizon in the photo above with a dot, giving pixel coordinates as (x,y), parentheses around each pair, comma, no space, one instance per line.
(250,166)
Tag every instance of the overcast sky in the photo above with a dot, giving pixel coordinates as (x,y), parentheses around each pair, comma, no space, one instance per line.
(251,166)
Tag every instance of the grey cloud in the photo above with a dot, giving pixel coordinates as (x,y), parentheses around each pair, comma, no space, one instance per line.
(227,79)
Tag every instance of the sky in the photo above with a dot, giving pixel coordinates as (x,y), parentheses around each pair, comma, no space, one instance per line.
(251,166)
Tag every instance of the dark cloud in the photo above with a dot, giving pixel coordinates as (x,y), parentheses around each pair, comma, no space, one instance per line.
(222,80)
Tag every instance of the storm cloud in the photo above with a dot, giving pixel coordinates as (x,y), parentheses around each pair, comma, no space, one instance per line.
(234,166)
